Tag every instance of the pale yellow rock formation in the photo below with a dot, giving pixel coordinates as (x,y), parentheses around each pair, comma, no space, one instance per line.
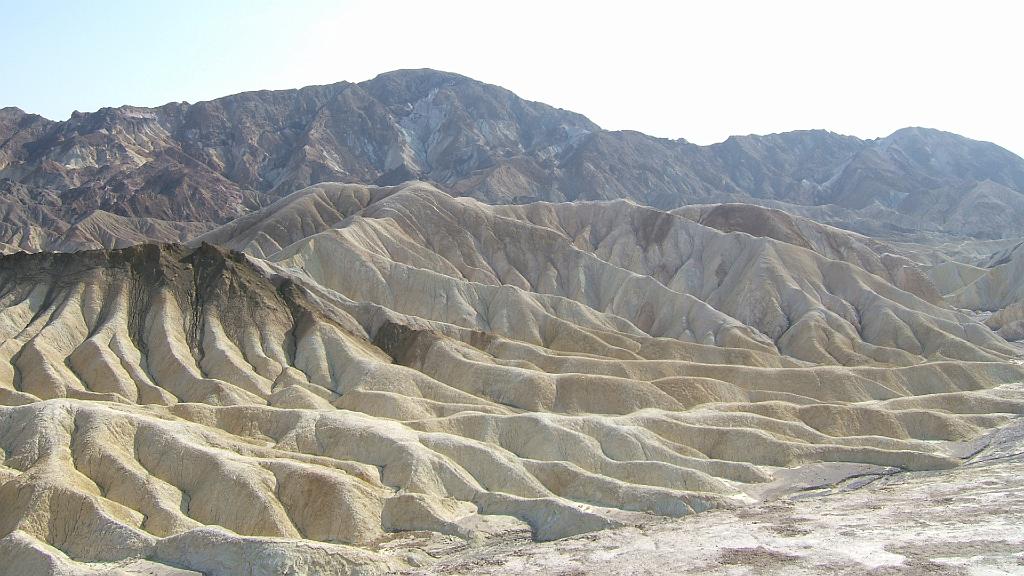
(395,361)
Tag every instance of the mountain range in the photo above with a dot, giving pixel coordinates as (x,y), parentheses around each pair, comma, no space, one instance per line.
(357,328)
(190,165)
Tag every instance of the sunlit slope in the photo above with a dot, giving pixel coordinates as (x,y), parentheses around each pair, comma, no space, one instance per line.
(388,361)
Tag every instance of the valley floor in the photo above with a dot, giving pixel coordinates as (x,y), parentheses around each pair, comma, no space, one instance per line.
(964,521)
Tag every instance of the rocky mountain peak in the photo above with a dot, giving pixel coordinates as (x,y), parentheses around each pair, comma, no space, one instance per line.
(213,161)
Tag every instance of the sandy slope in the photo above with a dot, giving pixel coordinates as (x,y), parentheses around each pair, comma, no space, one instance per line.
(393,372)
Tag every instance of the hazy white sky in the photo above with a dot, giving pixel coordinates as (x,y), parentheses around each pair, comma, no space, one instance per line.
(696,70)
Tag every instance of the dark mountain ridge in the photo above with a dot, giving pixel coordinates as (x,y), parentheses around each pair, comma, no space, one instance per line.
(213,161)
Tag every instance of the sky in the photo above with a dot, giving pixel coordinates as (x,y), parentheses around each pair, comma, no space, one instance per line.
(696,70)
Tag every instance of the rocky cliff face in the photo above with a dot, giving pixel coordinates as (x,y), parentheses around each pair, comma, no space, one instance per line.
(213,161)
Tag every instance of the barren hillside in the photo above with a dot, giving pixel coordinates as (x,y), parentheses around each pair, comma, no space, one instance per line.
(362,376)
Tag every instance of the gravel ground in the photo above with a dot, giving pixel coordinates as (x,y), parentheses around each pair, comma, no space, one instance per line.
(965,521)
